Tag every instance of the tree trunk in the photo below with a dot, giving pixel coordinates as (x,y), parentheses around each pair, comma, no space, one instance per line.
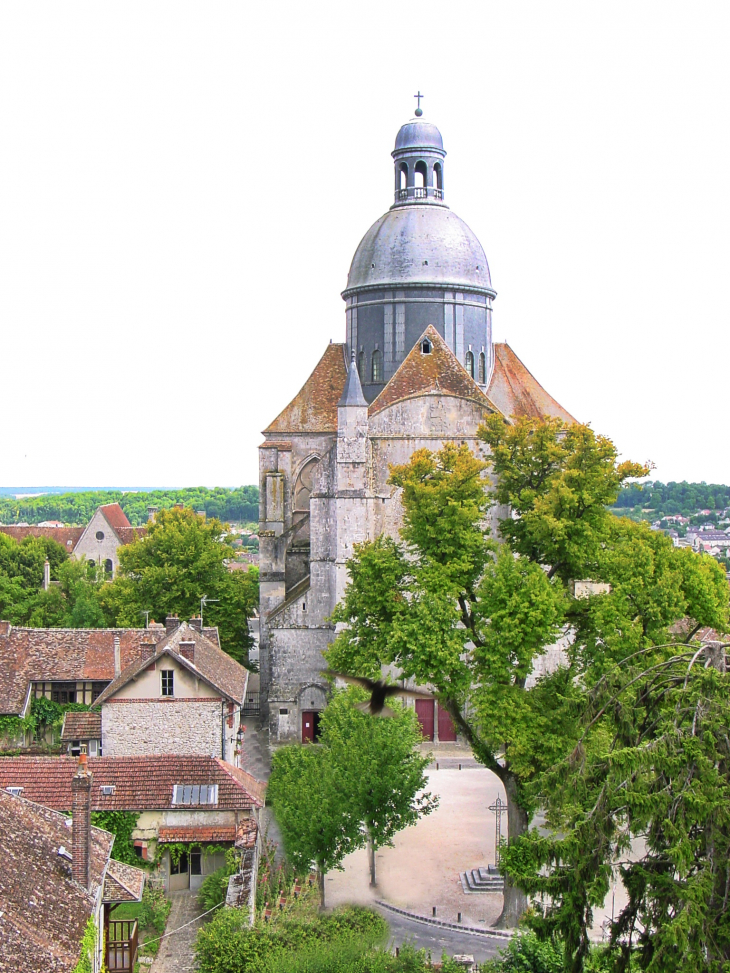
(320,883)
(515,900)
(371,860)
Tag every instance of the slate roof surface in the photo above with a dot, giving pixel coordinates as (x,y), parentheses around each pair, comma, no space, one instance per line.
(314,408)
(123,883)
(438,372)
(67,537)
(64,654)
(81,726)
(141,783)
(210,662)
(44,912)
(516,392)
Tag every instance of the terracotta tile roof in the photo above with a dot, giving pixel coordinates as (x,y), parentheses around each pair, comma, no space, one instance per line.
(215,666)
(314,408)
(123,883)
(67,537)
(140,783)
(115,516)
(44,912)
(257,788)
(81,726)
(438,372)
(274,444)
(127,535)
(64,654)
(517,392)
(167,836)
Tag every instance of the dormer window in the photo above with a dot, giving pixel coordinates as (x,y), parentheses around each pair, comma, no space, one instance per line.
(426,347)
(167,678)
(15,791)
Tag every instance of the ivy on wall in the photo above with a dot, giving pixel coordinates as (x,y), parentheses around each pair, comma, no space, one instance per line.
(88,946)
(121,824)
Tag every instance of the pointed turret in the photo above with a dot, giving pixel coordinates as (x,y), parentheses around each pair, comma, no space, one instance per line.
(352,392)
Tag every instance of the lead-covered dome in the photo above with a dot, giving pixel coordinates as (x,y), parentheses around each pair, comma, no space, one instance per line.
(418,134)
(419,244)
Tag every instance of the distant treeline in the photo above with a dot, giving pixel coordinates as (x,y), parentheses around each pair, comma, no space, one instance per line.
(238,504)
(675,498)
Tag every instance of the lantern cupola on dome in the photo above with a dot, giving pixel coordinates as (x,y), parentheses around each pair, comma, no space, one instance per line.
(419,163)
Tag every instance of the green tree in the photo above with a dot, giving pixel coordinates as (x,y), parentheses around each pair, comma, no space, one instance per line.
(311,802)
(449,610)
(380,766)
(651,760)
(180,559)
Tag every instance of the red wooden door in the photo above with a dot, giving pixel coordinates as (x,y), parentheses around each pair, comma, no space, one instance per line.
(308,727)
(424,712)
(447,733)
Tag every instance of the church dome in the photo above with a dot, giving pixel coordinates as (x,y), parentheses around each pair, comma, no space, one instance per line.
(418,134)
(419,244)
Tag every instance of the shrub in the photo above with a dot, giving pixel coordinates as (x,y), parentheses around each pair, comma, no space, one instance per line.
(213,889)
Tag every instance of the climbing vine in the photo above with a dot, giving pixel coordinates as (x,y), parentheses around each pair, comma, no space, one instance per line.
(88,946)
(177,849)
(121,824)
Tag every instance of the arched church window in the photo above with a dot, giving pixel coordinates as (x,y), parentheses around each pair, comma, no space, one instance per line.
(482,369)
(377,369)
(421,180)
(437,176)
(403,176)
(361,365)
(470,363)
(304,485)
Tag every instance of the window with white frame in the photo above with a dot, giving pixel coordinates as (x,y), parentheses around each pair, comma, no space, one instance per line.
(167,677)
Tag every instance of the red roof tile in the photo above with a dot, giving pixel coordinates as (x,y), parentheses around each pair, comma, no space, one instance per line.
(123,883)
(44,912)
(115,516)
(314,408)
(67,537)
(64,654)
(81,726)
(167,836)
(517,392)
(438,372)
(140,783)
(209,661)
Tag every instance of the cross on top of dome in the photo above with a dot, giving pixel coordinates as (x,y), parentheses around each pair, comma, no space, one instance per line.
(419,110)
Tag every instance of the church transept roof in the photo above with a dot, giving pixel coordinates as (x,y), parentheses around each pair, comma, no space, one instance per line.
(516,391)
(314,408)
(432,372)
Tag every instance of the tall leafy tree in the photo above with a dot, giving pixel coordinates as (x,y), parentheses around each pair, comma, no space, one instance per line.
(382,767)
(179,560)
(449,609)
(362,784)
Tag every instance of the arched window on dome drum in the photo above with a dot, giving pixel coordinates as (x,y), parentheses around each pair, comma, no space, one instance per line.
(470,363)
(482,369)
(421,180)
(403,176)
(437,176)
(377,369)
(361,365)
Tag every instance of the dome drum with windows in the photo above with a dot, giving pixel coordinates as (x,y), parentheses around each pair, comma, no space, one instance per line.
(418,265)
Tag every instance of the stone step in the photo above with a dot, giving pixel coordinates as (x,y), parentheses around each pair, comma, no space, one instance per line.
(482,880)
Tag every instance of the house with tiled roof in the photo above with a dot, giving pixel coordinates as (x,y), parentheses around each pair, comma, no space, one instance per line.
(76,665)
(184,697)
(202,803)
(57,877)
(418,368)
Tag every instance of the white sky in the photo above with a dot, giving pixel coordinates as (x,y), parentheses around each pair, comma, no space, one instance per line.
(183,186)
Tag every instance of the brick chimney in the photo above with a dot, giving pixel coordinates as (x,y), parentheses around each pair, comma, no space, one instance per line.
(151,513)
(187,651)
(81,822)
(197,623)
(172,624)
(117,657)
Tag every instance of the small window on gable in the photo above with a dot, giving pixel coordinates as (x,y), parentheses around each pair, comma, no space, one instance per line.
(167,677)
(470,363)
(100,535)
(426,347)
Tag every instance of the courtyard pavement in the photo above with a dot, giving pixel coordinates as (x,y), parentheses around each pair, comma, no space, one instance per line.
(176,951)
